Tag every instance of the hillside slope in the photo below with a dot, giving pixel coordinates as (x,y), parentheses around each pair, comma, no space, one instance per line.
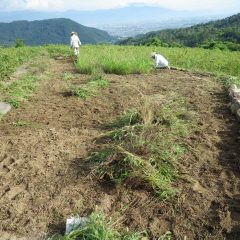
(52,31)
(225,30)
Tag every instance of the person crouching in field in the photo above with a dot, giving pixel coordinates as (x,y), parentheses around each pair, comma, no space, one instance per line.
(160,61)
(75,43)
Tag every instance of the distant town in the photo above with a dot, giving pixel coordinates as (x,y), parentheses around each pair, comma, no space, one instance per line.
(124,30)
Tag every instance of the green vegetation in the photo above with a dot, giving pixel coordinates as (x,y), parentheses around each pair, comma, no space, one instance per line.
(128,59)
(124,60)
(11,58)
(136,59)
(22,85)
(19,43)
(219,63)
(21,90)
(222,34)
(1,117)
(146,144)
(99,228)
(90,88)
(112,59)
(59,50)
(66,76)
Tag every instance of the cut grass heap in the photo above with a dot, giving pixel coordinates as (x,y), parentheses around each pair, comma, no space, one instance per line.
(21,90)
(98,228)
(90,88)
(145,147)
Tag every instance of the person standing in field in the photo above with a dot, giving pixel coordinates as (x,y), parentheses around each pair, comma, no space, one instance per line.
(75,43)
(160,61)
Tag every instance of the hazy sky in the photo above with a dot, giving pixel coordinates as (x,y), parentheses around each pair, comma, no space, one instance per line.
(63,5)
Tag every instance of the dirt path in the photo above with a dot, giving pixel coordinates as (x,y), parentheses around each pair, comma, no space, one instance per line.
(43,180)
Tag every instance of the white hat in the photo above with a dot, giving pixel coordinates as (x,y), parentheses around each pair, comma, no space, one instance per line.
(72,33)
(153,54)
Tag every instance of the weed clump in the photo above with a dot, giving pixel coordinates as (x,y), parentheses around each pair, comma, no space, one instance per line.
(90,88)
(66,76)
(146,144)
(21,90)
(99,228)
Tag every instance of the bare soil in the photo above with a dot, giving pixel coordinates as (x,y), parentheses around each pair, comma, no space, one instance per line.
(43,178)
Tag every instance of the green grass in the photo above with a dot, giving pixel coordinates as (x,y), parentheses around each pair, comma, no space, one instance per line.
(59,50)
(112,59)
(21,89)
(130,118)
(11,58)
(95,59)
(146,148)
(89,89)
(136,59)
(67,76)
(98,228)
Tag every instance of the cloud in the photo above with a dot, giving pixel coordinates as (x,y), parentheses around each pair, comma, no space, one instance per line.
(63,5)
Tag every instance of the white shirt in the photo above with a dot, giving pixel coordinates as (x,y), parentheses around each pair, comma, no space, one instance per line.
(160,61)
(75,41)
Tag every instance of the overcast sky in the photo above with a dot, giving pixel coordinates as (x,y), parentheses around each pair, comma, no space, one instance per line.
(64,5)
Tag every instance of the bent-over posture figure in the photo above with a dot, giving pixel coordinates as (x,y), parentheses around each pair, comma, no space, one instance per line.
(160,61)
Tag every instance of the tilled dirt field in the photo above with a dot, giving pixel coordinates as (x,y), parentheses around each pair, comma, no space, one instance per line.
(43,179)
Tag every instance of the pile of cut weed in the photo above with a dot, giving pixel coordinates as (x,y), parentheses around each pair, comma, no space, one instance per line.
(98,227)
(89,89)
(21,89)
(67,76)
(146,145)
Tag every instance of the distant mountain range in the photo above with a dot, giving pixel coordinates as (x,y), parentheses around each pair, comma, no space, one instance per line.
(52,31)
(225,31)
(123,22)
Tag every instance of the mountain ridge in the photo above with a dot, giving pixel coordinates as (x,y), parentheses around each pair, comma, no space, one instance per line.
(50,31)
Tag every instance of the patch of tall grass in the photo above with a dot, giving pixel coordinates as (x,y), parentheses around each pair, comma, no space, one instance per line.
(136,59)
(58,50)
(224,64)
(112,59)
(129,59)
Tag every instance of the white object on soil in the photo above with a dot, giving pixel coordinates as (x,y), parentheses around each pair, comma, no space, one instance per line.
(4,108)
(74,223)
